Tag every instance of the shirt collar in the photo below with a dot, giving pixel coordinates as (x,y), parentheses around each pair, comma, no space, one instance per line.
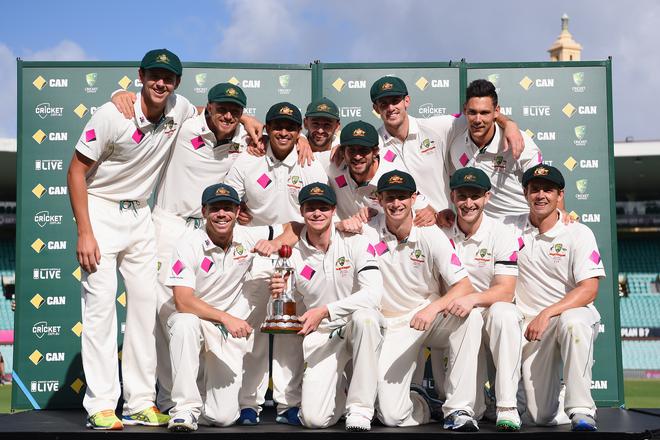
(483,231)
(308,247)
(140,117)
(553,232)
(390,238)
(289,161)
(208,244)
(413,131)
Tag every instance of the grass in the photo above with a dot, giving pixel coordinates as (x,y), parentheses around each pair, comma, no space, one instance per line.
(639,393)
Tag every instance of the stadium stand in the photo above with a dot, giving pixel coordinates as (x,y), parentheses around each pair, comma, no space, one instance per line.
(639,255)
(641,355)
(640,310)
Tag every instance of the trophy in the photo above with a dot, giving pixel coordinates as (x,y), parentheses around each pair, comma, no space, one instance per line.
(282,316)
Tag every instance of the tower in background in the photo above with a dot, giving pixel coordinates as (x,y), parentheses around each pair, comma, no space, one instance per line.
(565,48)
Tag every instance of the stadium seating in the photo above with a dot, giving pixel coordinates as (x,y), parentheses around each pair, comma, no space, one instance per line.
(8,355)
(641,355)
(639,255)
(6,315)
(640,310)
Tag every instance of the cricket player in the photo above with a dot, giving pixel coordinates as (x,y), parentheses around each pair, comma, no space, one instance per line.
(208,321)
(322,123)
(489,252)
(111,176)
(422,143)
(338,277)
(559,271)
(269,185)
(205,149)
(482,145)
(417,265)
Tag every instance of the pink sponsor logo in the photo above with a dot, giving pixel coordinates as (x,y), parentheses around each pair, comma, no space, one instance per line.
(138,136)
(381,248)
(389,156)
(197,142)
(464,159)
(264,181)
(178,267)
(595,257)
(206,265)
(455,260)
(513,256)
(521,243)
(371,250)
(307,272)
(90,135)
(341,181)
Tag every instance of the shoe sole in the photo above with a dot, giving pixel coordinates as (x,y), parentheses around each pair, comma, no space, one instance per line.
(357,429)
(507,426)
(247,423)
(181,428)
(467,427)
(583,428)
(114,427)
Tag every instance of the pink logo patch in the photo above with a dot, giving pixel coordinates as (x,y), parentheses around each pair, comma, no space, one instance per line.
(539,157)
(513,256)
(206,265)
(452,243)
(456,115)
(464,159)
(595,257)
(455,261)
(389,156)
(197,142)
(178,267)
(521,243)
(341,181)
(307,272)
(381,248)
(371,250)
(138,136)
(90,135)
(264,181)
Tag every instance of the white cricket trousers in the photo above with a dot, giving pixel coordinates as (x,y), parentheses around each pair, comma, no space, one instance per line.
(327,352)
(397,406)
(126,240)
(569,339)
(287,368)
(222,371)
(169,228)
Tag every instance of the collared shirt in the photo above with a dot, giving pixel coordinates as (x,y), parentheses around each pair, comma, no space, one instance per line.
(197,161)
(424,153)
(270,186)
(504,171)
(414,270)
(130,153)
(216,276)
(345,278)
(552,264)
(492,250)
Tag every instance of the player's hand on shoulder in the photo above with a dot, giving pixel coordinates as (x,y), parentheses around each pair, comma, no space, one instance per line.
(351,225)
(254,128)
(88,253)
(305,153)
(567,219)
(312,318)
(244,216)
(445,218)
(124,102)
(257,149)
(513,140)
(236,327)
(425,217)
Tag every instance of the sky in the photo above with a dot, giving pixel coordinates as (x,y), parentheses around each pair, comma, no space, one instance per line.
(300,31)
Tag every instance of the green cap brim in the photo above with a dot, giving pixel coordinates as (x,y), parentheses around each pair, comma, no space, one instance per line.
(322,115)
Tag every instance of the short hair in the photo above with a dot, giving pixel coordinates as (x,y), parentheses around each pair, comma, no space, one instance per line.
(481,88)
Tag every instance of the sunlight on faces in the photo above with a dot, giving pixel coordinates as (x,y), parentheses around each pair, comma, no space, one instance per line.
(359,159)
(224,116)
(320,131)
(469,202)
(158,85)
(317,215)
(397,204)
(543,197)
(481,115)
(220,218)
(392,109)
(282,135)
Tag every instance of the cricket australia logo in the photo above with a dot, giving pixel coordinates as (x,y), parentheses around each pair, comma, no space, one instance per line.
(426,146)
(557,251)
(417,257)
(342,263)
(499,164)
(239,252)
(294,182)
(169,127)
(483,257)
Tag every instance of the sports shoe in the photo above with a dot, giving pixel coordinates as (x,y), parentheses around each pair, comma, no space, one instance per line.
(435,405)
(289,417)
(183,422)
(105,420)
(357,423)
(148,417)
(583,422)
(508,419)
(461,421)
(248,417)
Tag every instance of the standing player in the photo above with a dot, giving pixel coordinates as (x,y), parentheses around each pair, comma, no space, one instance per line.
(561,322)
(207,273)
(481,145)
(338,278)
(322,124)
(489,251)
(111,176)
(417,265)
(269,186)
(206,147)
(422,143)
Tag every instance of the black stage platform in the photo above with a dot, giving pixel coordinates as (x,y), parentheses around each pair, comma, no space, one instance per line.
(613,423)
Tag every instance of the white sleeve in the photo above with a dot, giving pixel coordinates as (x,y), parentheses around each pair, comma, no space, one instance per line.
(181,270)
(505,251)
(444,257)
(370,282)
(98,133)
(235,176)
(531,155)
(586,262)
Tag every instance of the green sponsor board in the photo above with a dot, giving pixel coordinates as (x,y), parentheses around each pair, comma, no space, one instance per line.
(566,109)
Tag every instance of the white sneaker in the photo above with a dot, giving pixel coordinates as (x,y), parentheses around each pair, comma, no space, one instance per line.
(508,419)
(182,422)
(357,423)
(461,421)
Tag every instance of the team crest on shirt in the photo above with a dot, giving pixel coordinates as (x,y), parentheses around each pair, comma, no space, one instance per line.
(169,127)
(426,146)
(483,257)
(342,265)
(239,252)
(234,148)
(294,182)
(557,251)
(499,163)
(417,257)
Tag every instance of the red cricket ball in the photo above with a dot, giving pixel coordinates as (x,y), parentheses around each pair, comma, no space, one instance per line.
(285,251)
